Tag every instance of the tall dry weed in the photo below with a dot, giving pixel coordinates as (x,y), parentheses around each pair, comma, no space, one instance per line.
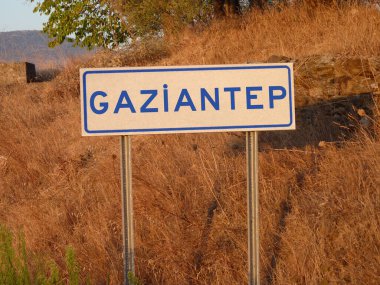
(318,221)
(294,31)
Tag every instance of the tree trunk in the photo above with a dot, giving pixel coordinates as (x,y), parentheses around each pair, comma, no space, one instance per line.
(232,7)
(219,8)
(257,4)
(226,8)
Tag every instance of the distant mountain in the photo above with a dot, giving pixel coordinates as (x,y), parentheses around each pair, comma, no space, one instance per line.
(32,46)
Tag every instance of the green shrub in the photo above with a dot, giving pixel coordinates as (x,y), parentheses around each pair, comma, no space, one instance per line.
(14,265)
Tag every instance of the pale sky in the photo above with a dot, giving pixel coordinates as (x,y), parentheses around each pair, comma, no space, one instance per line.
(16,15)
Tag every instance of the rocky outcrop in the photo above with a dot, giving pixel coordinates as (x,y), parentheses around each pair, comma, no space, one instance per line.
(323,78)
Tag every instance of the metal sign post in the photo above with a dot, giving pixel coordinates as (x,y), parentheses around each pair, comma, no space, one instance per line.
(253,208)
(127,206)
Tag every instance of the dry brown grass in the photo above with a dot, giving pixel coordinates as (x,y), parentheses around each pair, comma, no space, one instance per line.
(294,32)
(319,206)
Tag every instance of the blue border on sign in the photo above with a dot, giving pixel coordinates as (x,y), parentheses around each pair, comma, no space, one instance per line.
(226,128)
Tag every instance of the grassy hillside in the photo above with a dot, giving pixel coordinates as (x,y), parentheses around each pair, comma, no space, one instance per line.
(319,202)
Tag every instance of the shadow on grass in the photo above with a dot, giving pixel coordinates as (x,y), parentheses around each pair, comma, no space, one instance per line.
(333,121)
(47,74)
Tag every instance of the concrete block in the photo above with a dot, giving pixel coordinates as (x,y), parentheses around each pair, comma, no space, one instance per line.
(17,72)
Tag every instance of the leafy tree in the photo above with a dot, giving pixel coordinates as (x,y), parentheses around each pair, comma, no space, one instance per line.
(149,17)
(109,23)
(86,23)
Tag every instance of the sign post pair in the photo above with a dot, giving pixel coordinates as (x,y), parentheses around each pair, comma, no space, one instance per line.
(188,99)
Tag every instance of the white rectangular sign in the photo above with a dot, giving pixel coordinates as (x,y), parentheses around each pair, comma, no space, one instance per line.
(187,99)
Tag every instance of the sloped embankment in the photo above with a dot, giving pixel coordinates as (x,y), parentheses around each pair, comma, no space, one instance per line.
(319,204)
